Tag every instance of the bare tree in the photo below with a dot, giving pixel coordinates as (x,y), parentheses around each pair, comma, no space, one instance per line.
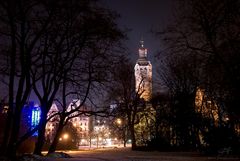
(82,32)
(182,79)
(162,136)
(210,31)
(89,74)
(44,38)
(205,34)
(129,105)
(17,44)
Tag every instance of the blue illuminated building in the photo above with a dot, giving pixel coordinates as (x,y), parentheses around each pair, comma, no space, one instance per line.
(31,116)
(35,118)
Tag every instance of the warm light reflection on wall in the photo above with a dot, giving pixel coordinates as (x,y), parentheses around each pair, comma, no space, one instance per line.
(206,107)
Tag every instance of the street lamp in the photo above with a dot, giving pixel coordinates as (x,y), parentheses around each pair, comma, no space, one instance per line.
(122,128)
(65,136)
(119,121)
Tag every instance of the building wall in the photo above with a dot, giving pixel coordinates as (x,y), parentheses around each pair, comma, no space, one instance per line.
(143,76)
(81,123)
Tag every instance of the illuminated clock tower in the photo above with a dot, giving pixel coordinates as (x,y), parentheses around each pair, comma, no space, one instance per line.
(143,74)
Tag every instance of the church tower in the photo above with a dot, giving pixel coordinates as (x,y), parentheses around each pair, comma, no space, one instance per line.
(143,74)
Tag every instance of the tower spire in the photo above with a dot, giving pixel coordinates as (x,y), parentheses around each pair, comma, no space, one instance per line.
(142,42)
(142,50)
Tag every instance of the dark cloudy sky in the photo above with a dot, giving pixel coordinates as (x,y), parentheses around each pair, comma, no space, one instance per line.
(141,16)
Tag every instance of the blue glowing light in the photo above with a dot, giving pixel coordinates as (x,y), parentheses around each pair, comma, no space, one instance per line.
(35,118)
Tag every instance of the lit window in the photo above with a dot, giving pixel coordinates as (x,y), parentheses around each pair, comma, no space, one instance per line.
(5,109)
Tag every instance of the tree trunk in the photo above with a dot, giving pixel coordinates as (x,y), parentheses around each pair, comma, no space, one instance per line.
(41,133)
(54,144)
(134,145)
(7,131)
(124,137)
(10,112)
(124,143)
(12,148)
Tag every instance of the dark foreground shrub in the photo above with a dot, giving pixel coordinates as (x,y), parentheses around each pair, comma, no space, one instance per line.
(160,144)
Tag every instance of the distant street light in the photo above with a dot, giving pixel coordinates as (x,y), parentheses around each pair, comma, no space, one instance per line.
(65,136)
(119,121)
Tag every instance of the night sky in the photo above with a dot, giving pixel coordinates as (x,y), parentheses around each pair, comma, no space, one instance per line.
(142,16)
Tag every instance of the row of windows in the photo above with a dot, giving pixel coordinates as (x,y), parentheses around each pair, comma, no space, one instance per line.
(83,129)
(81,119)
(142,68)
(81,124)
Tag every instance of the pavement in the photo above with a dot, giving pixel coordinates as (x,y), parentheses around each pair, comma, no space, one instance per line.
(126,154)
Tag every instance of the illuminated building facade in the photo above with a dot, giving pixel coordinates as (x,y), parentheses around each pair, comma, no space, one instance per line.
(143,74)
(52,123)
(35,118)
(80,122)
(30,117)
(208,107)
(31,114)
(101,133)
(143,86)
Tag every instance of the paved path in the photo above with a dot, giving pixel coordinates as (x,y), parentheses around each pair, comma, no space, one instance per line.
(125,154)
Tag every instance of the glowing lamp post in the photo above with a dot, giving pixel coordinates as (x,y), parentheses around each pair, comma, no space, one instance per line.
(120,126)
(65,136)
(119,121)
